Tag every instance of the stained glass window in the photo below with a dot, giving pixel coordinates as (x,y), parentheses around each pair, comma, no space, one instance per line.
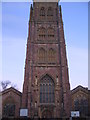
(47,90)
(9,110)
(81,105)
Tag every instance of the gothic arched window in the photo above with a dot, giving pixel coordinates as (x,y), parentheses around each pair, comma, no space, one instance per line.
(42,33)
(9,107)
(9,110)
(47,88)
(81,105)
(50,33)
(42,55)
(51,56)
(50,11)
(76,104)
(42,11)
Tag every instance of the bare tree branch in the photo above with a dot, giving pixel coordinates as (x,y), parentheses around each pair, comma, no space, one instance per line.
(5,84)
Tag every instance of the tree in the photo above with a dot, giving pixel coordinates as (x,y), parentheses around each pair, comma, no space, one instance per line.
(5,84)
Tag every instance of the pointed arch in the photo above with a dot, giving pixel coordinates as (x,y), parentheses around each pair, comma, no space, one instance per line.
(42,33)
(42,55)
(47,113)
(42,11)
(47,89)
(51,55)
(50,11)
(50,33)
(48,76)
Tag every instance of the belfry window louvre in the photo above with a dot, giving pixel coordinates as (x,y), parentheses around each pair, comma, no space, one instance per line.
(50,11)
(42,11)
(42,33)
(50,33)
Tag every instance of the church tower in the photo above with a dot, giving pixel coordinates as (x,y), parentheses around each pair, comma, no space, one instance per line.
(46,88)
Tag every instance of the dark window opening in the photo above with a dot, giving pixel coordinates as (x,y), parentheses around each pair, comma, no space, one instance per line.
(47,90)
(9,110)
(42,11)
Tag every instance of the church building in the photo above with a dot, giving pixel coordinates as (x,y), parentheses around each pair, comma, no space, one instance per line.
(46,89)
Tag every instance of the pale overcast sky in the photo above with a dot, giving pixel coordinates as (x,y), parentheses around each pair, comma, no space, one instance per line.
(15,17)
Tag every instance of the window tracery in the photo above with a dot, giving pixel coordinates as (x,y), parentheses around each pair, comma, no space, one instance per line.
(47,90)
(9,110)
(42,55)
(42,33)
(81,105)
(50,11)
(48,56)
(51,55)
(50,33)
(42,11)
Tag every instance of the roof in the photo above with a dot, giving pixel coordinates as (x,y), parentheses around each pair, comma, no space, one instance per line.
(80,88)
(11,89)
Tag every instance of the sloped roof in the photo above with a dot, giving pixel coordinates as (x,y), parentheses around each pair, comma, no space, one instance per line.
(80,88)
(11,89)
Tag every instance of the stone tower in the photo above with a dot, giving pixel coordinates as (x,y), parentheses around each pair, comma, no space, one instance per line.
(46,89)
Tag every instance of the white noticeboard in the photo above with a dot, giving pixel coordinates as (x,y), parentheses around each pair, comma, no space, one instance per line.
(75,114)
(23,112)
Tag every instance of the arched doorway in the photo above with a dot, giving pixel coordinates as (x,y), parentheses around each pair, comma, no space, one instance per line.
(46,114)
